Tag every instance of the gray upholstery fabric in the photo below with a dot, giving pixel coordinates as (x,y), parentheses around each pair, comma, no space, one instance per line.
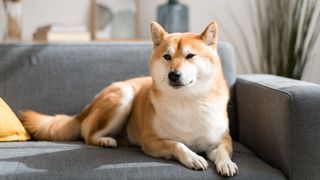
(63,78)
(62,160)
(227,55)
(279,119)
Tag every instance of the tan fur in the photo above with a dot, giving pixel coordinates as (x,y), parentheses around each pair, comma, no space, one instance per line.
(101,111)
(143,105)
(43,127)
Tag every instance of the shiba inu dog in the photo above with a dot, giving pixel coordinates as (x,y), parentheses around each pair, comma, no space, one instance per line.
(178,111)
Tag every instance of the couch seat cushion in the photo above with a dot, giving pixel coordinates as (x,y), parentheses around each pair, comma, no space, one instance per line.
(76,160)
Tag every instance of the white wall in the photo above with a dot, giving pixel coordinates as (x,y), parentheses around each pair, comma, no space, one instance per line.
(40,12)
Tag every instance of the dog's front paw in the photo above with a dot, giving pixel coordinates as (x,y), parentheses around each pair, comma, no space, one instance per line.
(194,161)
(226,167)
(107,142)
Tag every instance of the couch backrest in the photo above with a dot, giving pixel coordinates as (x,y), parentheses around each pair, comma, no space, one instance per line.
(63,78)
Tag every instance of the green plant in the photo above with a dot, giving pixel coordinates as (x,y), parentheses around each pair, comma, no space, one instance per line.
(286,32)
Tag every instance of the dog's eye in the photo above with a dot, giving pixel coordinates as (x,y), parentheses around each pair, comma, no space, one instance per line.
(189,56)
(167,57)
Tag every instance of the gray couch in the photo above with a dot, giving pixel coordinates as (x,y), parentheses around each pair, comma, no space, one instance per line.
(274,121)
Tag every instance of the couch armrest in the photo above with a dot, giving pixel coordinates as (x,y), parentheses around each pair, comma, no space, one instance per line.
(279,119)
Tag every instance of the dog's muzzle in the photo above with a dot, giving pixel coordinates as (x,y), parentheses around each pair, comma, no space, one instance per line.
(175,79)
(174,76)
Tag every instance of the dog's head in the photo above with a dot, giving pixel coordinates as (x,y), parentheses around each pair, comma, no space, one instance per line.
(184,62)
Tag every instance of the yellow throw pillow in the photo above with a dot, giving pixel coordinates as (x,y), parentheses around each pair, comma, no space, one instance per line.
(11,128)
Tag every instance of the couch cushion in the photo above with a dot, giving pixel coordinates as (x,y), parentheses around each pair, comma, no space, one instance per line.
(226,52)
(76,160)
(63,78)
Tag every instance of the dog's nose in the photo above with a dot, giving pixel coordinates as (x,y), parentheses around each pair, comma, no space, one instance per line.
(174,76)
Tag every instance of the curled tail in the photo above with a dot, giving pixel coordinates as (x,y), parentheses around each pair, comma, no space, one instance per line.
(51,128)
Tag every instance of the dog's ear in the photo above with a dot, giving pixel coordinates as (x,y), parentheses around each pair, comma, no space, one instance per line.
(158,33)
(210,35)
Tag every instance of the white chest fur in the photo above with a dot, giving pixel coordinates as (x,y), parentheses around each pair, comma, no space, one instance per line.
(198,123)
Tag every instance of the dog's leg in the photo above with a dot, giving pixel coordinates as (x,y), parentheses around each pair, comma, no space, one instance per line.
(221,156)
(108,114)
(169,149)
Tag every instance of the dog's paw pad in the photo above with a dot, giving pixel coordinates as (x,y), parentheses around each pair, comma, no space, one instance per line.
(195,162)
(226,168)
(107,142)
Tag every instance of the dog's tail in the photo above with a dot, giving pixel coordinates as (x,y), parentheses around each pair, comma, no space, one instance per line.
(51,128)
